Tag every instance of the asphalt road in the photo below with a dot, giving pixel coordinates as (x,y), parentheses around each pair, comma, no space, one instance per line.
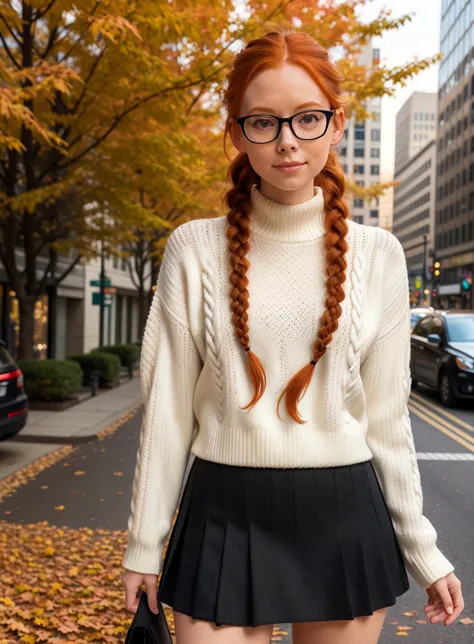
(102,500)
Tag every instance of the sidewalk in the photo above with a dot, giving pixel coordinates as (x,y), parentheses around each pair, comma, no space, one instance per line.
(46,431)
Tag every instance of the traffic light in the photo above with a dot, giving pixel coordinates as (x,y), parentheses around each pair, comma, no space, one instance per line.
(466,284)
(435,270)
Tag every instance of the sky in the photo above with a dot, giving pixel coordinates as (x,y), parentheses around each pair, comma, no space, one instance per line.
(416,39)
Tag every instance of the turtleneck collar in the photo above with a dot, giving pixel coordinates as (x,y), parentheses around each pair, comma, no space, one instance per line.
(287,223)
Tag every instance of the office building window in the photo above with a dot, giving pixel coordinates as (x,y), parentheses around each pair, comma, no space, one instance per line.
(359,169)
(359,152)
(358,203)
(375,135)
(375,153)
(374,213)
(374,169)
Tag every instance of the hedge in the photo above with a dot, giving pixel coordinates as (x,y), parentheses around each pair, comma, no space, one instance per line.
(106,364)
(129,354)
(51,380)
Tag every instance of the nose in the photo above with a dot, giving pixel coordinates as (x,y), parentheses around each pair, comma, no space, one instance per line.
(286,138)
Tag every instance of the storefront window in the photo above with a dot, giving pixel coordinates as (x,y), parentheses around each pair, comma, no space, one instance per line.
(40,329)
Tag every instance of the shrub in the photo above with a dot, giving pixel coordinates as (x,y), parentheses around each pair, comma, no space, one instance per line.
(106,364)
(129,354)
(52,380)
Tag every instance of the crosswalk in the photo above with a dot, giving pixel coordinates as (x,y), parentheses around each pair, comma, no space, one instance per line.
(443,456)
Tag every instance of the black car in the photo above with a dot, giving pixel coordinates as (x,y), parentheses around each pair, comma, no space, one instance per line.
(13,399)
(442,354)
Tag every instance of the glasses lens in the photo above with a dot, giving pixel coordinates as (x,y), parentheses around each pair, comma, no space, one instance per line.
(307,125)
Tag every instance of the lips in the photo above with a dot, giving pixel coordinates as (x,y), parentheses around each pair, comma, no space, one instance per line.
(290,165)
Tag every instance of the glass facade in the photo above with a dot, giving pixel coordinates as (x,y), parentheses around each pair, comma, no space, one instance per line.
(457,37)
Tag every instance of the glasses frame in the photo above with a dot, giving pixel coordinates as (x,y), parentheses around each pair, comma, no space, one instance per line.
(285,119)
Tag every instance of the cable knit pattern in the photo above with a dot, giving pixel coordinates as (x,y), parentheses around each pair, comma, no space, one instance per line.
(212,333)
(195,380)
(356,331)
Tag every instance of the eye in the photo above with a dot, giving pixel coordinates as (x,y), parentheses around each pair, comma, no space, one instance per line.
(262,123)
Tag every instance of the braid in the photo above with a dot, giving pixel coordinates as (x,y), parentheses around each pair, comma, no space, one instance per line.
(331,180)
(238,231)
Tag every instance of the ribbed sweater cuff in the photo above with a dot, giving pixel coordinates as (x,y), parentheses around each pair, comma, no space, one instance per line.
(144,559)
(428,566)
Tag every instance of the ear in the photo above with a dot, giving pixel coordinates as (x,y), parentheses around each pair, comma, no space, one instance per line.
(236,135)
(338,127)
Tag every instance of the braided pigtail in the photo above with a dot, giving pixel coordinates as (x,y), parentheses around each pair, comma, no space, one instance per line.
(243,177)
(332,181)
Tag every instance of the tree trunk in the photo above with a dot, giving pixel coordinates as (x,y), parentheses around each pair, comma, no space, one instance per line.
(27,327)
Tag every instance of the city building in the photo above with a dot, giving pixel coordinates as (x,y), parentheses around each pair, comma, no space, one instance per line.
(66,321)
(413,223)
(359,150)
(454,239)
(415,126)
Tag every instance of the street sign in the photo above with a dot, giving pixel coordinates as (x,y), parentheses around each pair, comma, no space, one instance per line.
(107,282)
(110,290)
(96,299)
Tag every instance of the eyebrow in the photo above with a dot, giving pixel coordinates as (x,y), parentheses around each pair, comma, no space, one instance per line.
(299,107)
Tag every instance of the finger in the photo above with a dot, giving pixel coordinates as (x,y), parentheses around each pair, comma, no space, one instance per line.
(131,599)
(445,594)
(152,596)
(458,602)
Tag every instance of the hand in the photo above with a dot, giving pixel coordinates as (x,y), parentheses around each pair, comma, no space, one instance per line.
(445,600)
(131,582)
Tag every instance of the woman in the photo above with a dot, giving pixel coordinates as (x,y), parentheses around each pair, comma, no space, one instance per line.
(313,522)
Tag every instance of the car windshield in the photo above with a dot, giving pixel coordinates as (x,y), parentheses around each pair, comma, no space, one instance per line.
(414,317)
(460,329)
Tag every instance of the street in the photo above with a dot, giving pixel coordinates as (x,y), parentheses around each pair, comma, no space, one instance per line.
(90,487)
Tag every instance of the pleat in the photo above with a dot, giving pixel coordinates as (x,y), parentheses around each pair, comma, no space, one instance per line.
(258,546)
(176,541)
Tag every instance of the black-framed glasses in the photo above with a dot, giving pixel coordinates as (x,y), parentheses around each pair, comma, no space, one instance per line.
(265,128)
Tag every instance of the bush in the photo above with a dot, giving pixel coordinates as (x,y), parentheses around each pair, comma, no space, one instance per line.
(129,354)
(106,364)
(51,380)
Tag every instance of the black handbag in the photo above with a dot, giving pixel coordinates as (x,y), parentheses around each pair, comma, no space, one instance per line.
(148,628)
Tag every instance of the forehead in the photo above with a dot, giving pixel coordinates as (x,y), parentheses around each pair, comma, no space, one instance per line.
(282,89)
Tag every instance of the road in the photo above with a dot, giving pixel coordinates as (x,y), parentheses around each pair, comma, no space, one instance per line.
(101,499)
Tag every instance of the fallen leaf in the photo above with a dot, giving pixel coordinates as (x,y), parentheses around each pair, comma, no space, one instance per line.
(59,507)
(44,487)
(410,613)
(395,622)
(421,621)
(405,628)
(466,620)
(402,633)
(118,473)
(79,473)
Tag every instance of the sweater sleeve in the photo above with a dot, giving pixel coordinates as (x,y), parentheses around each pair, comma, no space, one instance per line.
(169,368)
(386,378)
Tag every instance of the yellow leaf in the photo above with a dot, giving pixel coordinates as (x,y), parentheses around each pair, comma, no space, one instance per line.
(48,551)
(410,613)
(405,628)
(466,620)
(421,621)
(79,473)
(118,473)
(59,507)
(401,633)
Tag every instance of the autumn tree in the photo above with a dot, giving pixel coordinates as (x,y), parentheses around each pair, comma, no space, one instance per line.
(79,75)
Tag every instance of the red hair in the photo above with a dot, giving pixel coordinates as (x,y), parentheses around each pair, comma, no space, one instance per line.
(268,52)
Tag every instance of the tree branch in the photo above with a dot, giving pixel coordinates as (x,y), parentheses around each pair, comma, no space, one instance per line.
(12,33)
(42,12)
(68,270)
(10,55)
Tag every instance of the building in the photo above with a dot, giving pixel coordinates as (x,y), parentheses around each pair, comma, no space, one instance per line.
(66,321)
(454,239)
(414,205)
(360,150)
(415,126)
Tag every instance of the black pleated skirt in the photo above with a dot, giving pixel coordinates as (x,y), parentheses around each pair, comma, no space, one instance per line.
(254,546)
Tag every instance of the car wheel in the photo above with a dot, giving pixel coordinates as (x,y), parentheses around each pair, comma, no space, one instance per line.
(446,393)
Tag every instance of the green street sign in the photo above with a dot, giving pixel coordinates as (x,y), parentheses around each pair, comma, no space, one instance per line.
(107,282)
(96,299)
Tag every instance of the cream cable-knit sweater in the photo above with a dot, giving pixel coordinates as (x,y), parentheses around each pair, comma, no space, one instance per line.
(194,372)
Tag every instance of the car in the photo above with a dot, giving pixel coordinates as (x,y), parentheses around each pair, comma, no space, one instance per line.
(442,354)
(418,313)
(13,398)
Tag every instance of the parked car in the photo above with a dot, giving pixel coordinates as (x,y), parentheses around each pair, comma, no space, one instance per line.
(418,313)
(13,399)
(442,354)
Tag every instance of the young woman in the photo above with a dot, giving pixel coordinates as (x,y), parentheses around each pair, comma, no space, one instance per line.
(312,522)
